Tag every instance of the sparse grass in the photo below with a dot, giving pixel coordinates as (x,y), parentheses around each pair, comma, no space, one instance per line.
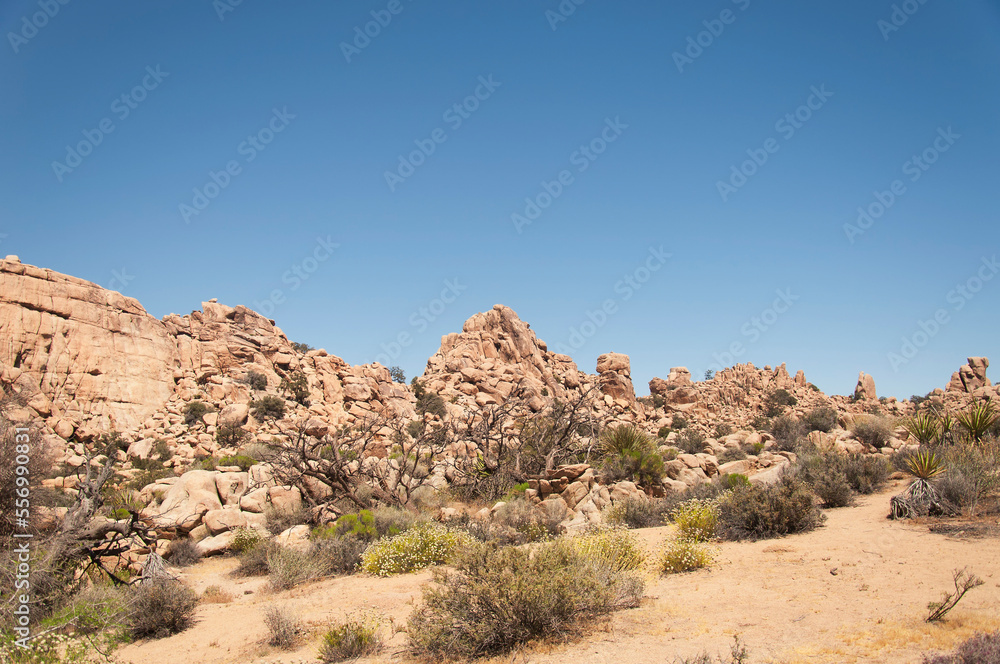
(216,595)
(499,598)
(738,654)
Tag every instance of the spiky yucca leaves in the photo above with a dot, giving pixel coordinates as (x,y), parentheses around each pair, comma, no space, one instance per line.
(978,420)
(924,427)
(623,439)
(925,465)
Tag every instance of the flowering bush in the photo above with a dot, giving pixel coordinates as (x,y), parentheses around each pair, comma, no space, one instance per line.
(696,519)
(614,548)
(412,550)
(683,555)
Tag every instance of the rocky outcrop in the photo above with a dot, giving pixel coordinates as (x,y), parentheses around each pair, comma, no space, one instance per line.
(971,376)
(865,388)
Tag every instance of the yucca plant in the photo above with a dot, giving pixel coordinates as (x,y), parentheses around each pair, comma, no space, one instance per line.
(924,427)
(978,420)
(623,439)
(946,423)
(920,498)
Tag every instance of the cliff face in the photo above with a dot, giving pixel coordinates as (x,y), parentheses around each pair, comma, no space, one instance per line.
(96,353)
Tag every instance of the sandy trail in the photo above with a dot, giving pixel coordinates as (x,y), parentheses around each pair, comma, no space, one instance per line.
(855,590)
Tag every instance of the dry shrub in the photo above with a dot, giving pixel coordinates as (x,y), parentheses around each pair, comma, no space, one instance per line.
(983,648)
(338,555)
(283,628)
(289,567)
(499,598)
(280,520)
(216,595)
(183,552)
(635,512)
(160,609)
(763,511)
(873,430)
(826,472)
(867,473)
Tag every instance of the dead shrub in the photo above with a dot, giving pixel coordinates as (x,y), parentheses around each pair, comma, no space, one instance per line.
(183,552)
(283,628)
(982,648)
(160,609)
(216,595)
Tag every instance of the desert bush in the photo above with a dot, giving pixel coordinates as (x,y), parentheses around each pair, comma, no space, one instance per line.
(499,598)
(614,548)
(256,380)
(867,473)
(921,498)
(723,429)
(763,511)
(338,555)
(623,438)
(733,480)
(296,386)
(254,560)
(776,402)
(349,639)
(160,609)
(705,491)
(300,347)
(678,422)
(732,454)
(738,654)
(194,411)
(245,539)
(826,473)
(183,552)
(787,432)
(415,549)
(964,581)
(663,432)
(216,595)
(427,402)
(696,519)
(872,430)
(522,517)
(268,407)
(690,441)
(230,435)
(973,473)
(981,648)
(637,512)
(244,461)
(282,627)
(684,555)
(288,567)
(279,520)
(629,454)
(821,419)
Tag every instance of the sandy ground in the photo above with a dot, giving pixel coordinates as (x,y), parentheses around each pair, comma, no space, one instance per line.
(856,590)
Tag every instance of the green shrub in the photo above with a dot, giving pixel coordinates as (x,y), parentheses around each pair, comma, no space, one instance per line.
(821,419)
(684,555)
(427,402)
(194,411)
(231,435)
(614,548)
(296,386)
(872,430)
(732,454)
(160,609)
(696,519)
(690,441)
(350,639)
(763,511)
(256,380)
(500,598)
(413,550)
(245,539)
(733,480)
(867,473)
(624,438)
(636,512)
(397,375)
(723,429)
(301,347)
(663,432)
(268,407)
(925,427)
(678,422)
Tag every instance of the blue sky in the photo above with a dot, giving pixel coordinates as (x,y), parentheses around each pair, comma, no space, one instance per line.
(608,119)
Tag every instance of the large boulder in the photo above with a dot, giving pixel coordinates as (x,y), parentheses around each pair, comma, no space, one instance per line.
(188,499)
(865,388)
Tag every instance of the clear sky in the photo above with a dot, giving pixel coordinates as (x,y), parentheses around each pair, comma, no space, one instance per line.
(669,180)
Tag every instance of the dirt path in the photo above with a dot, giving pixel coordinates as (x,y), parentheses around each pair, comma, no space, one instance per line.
(855,590)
